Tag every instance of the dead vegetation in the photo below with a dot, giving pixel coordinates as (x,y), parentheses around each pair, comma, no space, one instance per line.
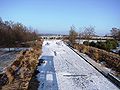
(19,74)
(109,59)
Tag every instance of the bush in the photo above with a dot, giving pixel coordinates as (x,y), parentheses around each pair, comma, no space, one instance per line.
(86,43)
(108,45)
(93,44)
(111,44)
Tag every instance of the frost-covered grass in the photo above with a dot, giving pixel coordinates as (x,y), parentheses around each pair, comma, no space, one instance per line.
(65,70)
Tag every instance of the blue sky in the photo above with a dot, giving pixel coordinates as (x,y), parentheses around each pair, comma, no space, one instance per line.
(56,16)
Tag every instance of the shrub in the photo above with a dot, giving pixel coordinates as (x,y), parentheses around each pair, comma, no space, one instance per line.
(93,44)
(108,45)
(86,43)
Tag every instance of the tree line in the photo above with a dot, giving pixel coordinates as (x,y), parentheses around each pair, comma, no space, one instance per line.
(89,32)
(13,34)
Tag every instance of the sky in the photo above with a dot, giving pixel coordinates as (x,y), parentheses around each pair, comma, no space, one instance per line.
(56,16)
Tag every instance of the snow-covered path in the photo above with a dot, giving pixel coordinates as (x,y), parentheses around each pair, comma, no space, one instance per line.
(63,69)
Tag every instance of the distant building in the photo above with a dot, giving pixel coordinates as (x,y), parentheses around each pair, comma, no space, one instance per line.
(51,36)
(102,37)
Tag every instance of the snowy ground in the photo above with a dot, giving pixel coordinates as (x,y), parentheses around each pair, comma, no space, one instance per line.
(13,49)
(6,59)
(63,69)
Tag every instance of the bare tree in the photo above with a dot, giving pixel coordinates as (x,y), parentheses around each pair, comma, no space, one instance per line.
(72,35)
(81,33)
(115,33)
(88,32)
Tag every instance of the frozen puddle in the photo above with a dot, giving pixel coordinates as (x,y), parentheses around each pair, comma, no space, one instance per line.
(65,70)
